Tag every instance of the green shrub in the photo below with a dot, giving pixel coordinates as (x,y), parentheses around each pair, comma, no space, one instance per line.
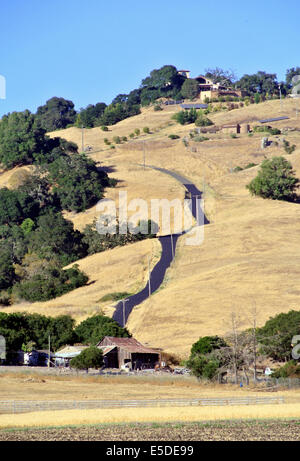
(115,296)
(274,131)
(137,131)
(207,344)
(117,139)
(50,283)
(5,299)
(205,360)
(237,168)
(275,180)
(203,367)
(95,328)
(275,337)
(157,107)
(184,117)
(97,242)
(104,128)
(92,357)
(288,148)
(202,120)
(250,165)
(257,98)
(146,130)
(124,139)
(266,129)
(77,182)
(173,136)
(290,369)
(21,328)
(200,138)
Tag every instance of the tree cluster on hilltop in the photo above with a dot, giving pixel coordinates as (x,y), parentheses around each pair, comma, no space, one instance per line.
(165,82)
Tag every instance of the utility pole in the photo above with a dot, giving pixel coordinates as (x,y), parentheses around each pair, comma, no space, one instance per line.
(149,276)
(49,351)
(172,245)
(254,317)
(197,208)
(235,346)
(82,138)
(280,97)
(124,316)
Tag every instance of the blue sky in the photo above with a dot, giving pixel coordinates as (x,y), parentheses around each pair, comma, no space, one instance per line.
(91,51)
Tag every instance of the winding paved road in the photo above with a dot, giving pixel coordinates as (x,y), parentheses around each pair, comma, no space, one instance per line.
(158,273)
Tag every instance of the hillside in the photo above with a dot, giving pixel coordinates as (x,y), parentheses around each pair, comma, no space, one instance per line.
(250,254)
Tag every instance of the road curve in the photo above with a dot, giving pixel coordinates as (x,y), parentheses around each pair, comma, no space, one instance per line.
(167,255)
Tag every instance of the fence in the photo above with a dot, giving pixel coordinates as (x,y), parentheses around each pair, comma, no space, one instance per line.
(25,406)
(290,383)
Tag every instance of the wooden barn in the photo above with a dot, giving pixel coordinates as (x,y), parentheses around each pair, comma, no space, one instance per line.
(118,352)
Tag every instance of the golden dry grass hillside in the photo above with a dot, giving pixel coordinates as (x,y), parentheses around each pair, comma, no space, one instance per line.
(250,254)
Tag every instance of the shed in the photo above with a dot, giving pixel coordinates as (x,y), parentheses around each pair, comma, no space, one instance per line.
(35,358)
(67,353)
(245,128)
(235,128)
(130,350)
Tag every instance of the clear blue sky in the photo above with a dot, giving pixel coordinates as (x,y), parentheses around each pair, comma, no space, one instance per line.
(90,51)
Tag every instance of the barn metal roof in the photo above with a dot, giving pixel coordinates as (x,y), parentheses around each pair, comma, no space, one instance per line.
(70,351)
(129,344)
(106,349)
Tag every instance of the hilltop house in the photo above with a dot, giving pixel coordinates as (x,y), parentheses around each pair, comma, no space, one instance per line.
(209,89)
(184,73)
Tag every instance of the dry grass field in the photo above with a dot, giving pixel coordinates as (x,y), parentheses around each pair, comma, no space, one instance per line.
(250,254)
(35,385)
(41,386)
